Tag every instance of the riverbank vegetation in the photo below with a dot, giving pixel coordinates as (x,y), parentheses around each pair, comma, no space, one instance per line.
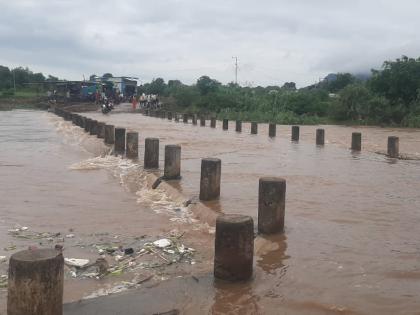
(389,96)
(21,82)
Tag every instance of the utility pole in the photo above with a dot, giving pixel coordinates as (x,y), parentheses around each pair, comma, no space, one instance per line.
(14,81)
(236,69)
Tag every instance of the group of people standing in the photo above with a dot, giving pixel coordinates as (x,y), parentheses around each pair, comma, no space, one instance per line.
(150,101)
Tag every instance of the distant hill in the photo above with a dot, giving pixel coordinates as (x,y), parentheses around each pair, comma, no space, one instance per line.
(332,77)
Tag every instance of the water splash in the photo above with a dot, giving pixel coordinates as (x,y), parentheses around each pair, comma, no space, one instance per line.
(130,173)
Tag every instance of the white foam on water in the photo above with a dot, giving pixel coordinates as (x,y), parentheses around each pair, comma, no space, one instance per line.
(127,171)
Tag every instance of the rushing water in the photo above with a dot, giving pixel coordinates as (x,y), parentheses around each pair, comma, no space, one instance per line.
(350,247)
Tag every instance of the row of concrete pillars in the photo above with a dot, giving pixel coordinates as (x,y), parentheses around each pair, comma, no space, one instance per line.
(356,139)
(36,277)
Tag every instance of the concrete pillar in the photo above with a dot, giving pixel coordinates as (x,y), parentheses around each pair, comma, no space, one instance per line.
(356,141)
(393,147)
(210,178)
(82,122)
(35,284)
(254,128)
(93,127)
(271,204)
(202,121)
(88,122)
(151,153)
(320,137)
(194,119)
(78,120)
(132,145)
(272,129)
(295,133)
(67,115)
(238,126)
(176,117)
(163,114)
(213,122)
(109,134)
(172,168)
(234,247)
(225,124)
(119,138)
(101,130)
(169,115)
(185,118)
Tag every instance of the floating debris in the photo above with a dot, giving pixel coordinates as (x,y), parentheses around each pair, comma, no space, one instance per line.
(75,262)
(162,243)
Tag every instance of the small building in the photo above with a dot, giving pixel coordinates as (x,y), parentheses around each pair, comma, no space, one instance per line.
(125,85)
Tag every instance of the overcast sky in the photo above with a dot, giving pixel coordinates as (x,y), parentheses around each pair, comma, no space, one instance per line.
(275,41)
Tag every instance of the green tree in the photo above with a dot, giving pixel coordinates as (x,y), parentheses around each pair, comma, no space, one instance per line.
(340,82)
(398,80)
(5,78)
(353,102)
(206,85)
(157,86)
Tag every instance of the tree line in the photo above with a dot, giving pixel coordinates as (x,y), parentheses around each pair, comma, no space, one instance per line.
(20,78)
(390,96)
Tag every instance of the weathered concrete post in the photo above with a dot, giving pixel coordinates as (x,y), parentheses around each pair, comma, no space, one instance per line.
(295,133)
(254,128)
(238,126)
(169,115)
(202,121)
(234,247)
(225,124)
(101,130)
(35,285)
(77,120)
(194,119)
(172,168)
(87,124)
(185,118)
(132,146)
(119,138)
(82,122)
(93,127)
(356,141)
(271,204)
(320,137)
(109,134)
(393,146)
(272,130)
(151,153)
(213,122)
(210,178)
(176,117)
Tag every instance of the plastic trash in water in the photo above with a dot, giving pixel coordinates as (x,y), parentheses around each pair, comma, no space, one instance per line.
(75,262)
(162,243)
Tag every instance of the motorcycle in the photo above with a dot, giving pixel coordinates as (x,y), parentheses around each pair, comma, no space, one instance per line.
(106,107)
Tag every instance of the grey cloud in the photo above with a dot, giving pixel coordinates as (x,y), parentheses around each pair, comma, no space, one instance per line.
(276,41)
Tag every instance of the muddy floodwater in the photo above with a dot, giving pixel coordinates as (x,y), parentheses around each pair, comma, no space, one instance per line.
(351,242)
